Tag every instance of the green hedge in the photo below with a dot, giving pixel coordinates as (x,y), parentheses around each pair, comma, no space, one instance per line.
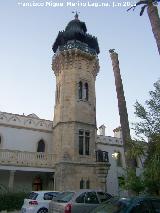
(11,201)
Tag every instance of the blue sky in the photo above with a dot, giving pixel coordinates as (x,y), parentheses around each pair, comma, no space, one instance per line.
(27,82)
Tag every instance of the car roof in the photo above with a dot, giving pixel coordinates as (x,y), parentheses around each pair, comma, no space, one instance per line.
(136,198)
(84,190)
(146,197)
(78,192)
(39,192)
(89,190)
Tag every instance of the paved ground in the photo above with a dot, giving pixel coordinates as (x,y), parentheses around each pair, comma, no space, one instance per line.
(10,212)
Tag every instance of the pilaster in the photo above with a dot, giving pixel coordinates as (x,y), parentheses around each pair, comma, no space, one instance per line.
(11,180)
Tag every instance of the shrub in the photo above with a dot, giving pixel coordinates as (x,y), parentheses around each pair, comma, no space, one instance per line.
(11,201)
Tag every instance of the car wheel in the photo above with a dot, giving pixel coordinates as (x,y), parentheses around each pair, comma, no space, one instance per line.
(43,210)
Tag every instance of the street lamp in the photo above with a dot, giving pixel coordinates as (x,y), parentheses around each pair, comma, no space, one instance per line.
(115,156)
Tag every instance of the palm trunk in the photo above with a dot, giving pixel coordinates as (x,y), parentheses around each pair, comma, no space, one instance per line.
(155,23)
(130,163)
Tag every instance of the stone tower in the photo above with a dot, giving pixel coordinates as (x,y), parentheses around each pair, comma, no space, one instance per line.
(75,65)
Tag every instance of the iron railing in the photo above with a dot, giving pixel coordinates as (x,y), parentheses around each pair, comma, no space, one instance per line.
(102,156)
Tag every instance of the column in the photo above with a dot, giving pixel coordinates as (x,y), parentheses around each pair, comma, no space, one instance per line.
(11,180)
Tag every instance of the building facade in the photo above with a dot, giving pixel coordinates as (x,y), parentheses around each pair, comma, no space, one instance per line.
(25,152)
(65,153)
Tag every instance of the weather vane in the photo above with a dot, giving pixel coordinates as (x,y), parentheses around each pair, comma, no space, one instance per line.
(76,14)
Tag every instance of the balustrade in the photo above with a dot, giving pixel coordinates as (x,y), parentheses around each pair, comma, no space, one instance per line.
(77,45)
(20,158)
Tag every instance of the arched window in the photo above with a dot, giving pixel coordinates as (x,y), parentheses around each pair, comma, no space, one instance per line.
(87,184)
(87,137)
(82,184)
(58,88)
(81,138)
(86,91)
(41,146)
(84,138)
(80,90)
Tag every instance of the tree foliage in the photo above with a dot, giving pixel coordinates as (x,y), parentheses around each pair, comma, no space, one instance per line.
(149,127)
(133,182)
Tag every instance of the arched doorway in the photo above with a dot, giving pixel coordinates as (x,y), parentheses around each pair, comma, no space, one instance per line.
(37,184)
(41,146)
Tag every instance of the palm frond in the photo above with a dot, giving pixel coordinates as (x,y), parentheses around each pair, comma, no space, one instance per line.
(131,8)
(142,2)
(145,2)
(142,10)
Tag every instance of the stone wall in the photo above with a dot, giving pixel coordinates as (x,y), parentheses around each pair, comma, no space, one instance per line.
(68,176)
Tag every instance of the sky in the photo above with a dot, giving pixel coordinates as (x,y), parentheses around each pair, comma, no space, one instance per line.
(27,82)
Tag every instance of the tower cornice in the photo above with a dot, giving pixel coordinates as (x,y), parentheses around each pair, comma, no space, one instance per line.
(72,58)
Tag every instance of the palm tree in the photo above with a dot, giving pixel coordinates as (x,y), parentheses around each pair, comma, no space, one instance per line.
(153,15)
(130,162)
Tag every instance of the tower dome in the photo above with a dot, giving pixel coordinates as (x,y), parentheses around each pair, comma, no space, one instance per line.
(76,26)
(76,30)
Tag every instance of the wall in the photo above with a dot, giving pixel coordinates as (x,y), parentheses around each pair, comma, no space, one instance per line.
(112,145)
(23,132)
(23,139)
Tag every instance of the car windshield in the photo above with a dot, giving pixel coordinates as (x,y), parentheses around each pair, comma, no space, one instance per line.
(32,196)
(103,196)
(64,197)
(50,195)
(55,194)
(114,205)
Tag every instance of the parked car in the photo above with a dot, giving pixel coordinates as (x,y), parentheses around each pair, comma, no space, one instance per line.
(38,201)
(129,205)
(82,201)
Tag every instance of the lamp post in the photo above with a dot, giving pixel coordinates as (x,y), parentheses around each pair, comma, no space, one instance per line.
(115,156)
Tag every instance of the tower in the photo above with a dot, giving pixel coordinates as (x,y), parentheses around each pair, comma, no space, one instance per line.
(75,65)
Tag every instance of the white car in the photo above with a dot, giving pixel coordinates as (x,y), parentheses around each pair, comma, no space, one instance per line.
(38,201)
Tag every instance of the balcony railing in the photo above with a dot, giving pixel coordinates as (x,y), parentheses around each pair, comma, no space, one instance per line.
(31,159)
(77,45)
(102,156)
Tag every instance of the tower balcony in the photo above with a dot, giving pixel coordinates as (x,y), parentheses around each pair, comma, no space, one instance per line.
(74,44)
(26,159)
(102,156)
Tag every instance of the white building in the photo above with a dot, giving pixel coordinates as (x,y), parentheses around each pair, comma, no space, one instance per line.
(25,151)
(26,157)
(114,147)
